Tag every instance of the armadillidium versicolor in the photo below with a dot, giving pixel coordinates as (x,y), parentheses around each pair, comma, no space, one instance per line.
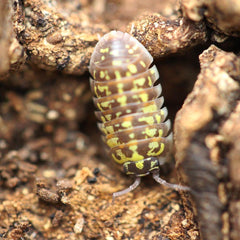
(130,109)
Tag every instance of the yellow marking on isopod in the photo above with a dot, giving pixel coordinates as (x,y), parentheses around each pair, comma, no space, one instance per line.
(131,135)
(120,154)
(104,88)
(149,120)
(94,74)
(154,164)
(150,132)
(127,124)
(135,97)
(128,111)
(126,167)
(139,164)
(117,125)
(114,53)
(118,114)
(103,58)
(143,63)
(108,117)
(120,87)
(135,156)
(107,104)
(158,118)
(103,119)
(135,47)
(95,89)
(102,74)
(113,142)
(99,106)
(149,81)
(160,133)
(123,158)
(128,74)
(116,62)
(104,50)
(150,108)
(139,81)
(130,51)
(127,46)
(110,129)
(118,75)
(154,145)
(122,100)
(107,77)
(132,68)
(152,71)
(143,97)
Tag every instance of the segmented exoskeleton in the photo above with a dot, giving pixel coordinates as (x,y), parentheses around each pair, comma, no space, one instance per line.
(132,120)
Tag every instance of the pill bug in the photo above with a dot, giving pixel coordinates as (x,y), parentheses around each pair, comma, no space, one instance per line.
(130,109)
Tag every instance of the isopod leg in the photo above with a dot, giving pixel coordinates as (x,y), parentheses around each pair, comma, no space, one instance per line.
(127,190)
(170,185)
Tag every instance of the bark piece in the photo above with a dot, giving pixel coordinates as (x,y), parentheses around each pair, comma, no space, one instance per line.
(55,39)
(205,139)
(222,15)
(163,36)
(12,53)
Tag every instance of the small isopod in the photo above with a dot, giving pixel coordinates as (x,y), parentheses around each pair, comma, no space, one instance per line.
(130,107)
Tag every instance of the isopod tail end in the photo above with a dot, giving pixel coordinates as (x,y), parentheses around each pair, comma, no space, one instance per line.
(170,185)
(127,190)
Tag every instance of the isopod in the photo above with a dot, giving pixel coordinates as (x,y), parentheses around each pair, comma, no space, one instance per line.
(133,121)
